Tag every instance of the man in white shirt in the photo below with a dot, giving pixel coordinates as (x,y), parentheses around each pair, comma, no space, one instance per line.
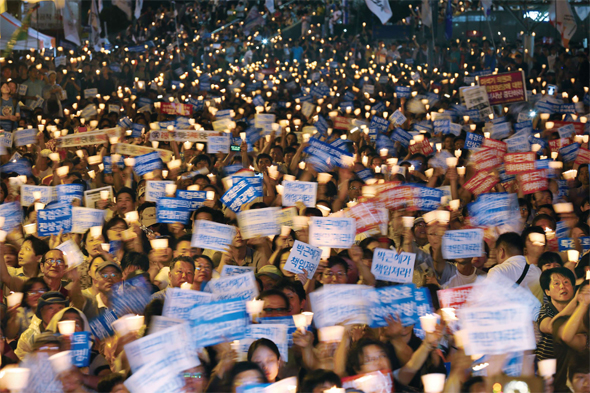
(512,264)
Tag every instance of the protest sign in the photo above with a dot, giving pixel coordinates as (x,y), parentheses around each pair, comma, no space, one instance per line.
(398,300)
(218,143)
(466,243)
(423,147)
(285,216)
(72,253)
(277,333)
(173,210)
(326,153)
(48,194)
(568,243)
(13,215)
(504,88)
(332,232)
(80,348)
(213,236)
(518,143)
(126,149)
(583,157)
(69,192)
(388,265)
(481,183)
(90,93)
(172,342)
(180,302)
(403,91)
(217,322)
(157,376)
(296,191)
(533,181)
(181,135)
(519,162)
(258,222)
(233,270)
(566,131)
(486,159)
(366,216)
(454,297)
(473,141)
(239,194)
(500,130)
(496,330)
(91,197)
(340,303)
(159,323)
(397,118)
(51,222)
(498,146)
(25,137)
(303,256)
(196,198)
(172,108)
(156,189)
(569,153)
(402,136)
(147,163)
(97,137)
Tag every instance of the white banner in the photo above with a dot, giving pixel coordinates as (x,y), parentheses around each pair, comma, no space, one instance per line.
(380,8)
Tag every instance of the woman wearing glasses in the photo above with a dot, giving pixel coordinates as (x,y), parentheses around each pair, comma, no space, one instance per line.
(53,267)
(20,316)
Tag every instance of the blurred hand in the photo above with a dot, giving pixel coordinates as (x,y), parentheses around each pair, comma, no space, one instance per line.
(303,339)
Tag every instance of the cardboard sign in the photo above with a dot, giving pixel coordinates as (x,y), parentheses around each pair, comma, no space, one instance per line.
(466,243)
(332,232)
(388,265)
(258,222)
(299,191)
(481,183)
(454,297)
(505,88)
(533,181)
(519,162)
(303,256)
(213,236)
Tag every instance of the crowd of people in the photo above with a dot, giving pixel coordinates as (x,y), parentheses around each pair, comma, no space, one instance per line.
(241,118)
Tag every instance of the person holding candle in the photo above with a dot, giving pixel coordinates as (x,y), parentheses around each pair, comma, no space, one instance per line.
(534,246)
(20,316)
(29,258)
(107,274)
(182,270)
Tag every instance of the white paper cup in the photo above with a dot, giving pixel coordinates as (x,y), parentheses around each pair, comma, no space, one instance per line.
(174,164)
(14,299)
(105,246)
(443,216)
(104,195)
(30,229)
(131,217)
(461,338)
(323,178)
(547,367)
(120,326)
(15,378)
(555,164)
(289,178)
(300,321)
(194,187)
(285,230)
(537,239)
(95,232)
(308,316)
(63,171)
(461,171)
(429,322)
(67,328)
(54,157)
(408,221)
(39,206)
(331,333)
(170,189)
(254,307)
(186,285)
(429,172)
(430,217)
(570,175)
(130,161)
(300,222)
(61,362)
(159,244)
(433,383)
(573,255)
(36,195)
(210,195)
(134,323)
(94,160)
(455,204)
(451,162)
(3,235)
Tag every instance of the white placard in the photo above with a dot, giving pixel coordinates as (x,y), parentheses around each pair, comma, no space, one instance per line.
(295,191)
(259,222)
(213,236)
(180,302)
(303,256)
(388,265)
(335,304)
(465,243)
(91,197)
(84,218)
(218,144)
(332,232)
(156,189)
(232,270)
(242,286)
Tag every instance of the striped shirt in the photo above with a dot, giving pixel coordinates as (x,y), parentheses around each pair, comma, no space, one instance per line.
(545,347)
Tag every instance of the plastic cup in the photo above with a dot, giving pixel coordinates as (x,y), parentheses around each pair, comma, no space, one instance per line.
(121,326)
(300,321)
(170,189)
(134,323)
(547,367)
(331,333)
(132,217)
(254,307)
(67,328)
(15,379)
(433,383)
(61,362)
(408,221)
(14,299)
(429,322)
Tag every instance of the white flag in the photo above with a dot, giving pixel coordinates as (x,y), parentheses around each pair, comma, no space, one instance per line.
(94,22)
(563,20)
(70,24)
(426,13)
(125,6)
(138,7)
(380,8)
(270,6)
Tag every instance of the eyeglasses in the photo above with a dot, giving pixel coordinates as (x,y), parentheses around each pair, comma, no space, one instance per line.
(331,274)
(57,262)
(38,292)
(376,358)
(106,276)
(274,310)
(181,273)
(202,267)
(193,375)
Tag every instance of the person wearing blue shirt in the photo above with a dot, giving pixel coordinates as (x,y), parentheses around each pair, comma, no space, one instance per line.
(9,109)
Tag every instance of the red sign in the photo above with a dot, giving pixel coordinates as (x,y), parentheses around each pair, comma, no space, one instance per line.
(454,297)
(583,156)
(396,197)
(519,162)
(533,181)
(172,108)
(481,183)
(486,159)
(504,88)
(557,144)
(341,123)
(366,215)
(499,146)
(422,147)
(578,126)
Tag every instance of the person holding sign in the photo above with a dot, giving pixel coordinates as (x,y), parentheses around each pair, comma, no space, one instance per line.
(182,270)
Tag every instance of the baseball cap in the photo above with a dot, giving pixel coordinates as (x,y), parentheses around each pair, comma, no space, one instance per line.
(271,271)
(148,216)
(107,264)
(48,298)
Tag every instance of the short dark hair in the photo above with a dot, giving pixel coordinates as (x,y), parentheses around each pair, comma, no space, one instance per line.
(275,292)
(548,191)
(532,229)
(241,367)
(545,278)
(317,378)
(333,261)
(545,217)
(138,259)
(207,258)
(184,238)
(261,156)
(549,257)
(512,242)
(263,342)
(293,286)
(126,190)
(182,259)
(40,247)
(108,382)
